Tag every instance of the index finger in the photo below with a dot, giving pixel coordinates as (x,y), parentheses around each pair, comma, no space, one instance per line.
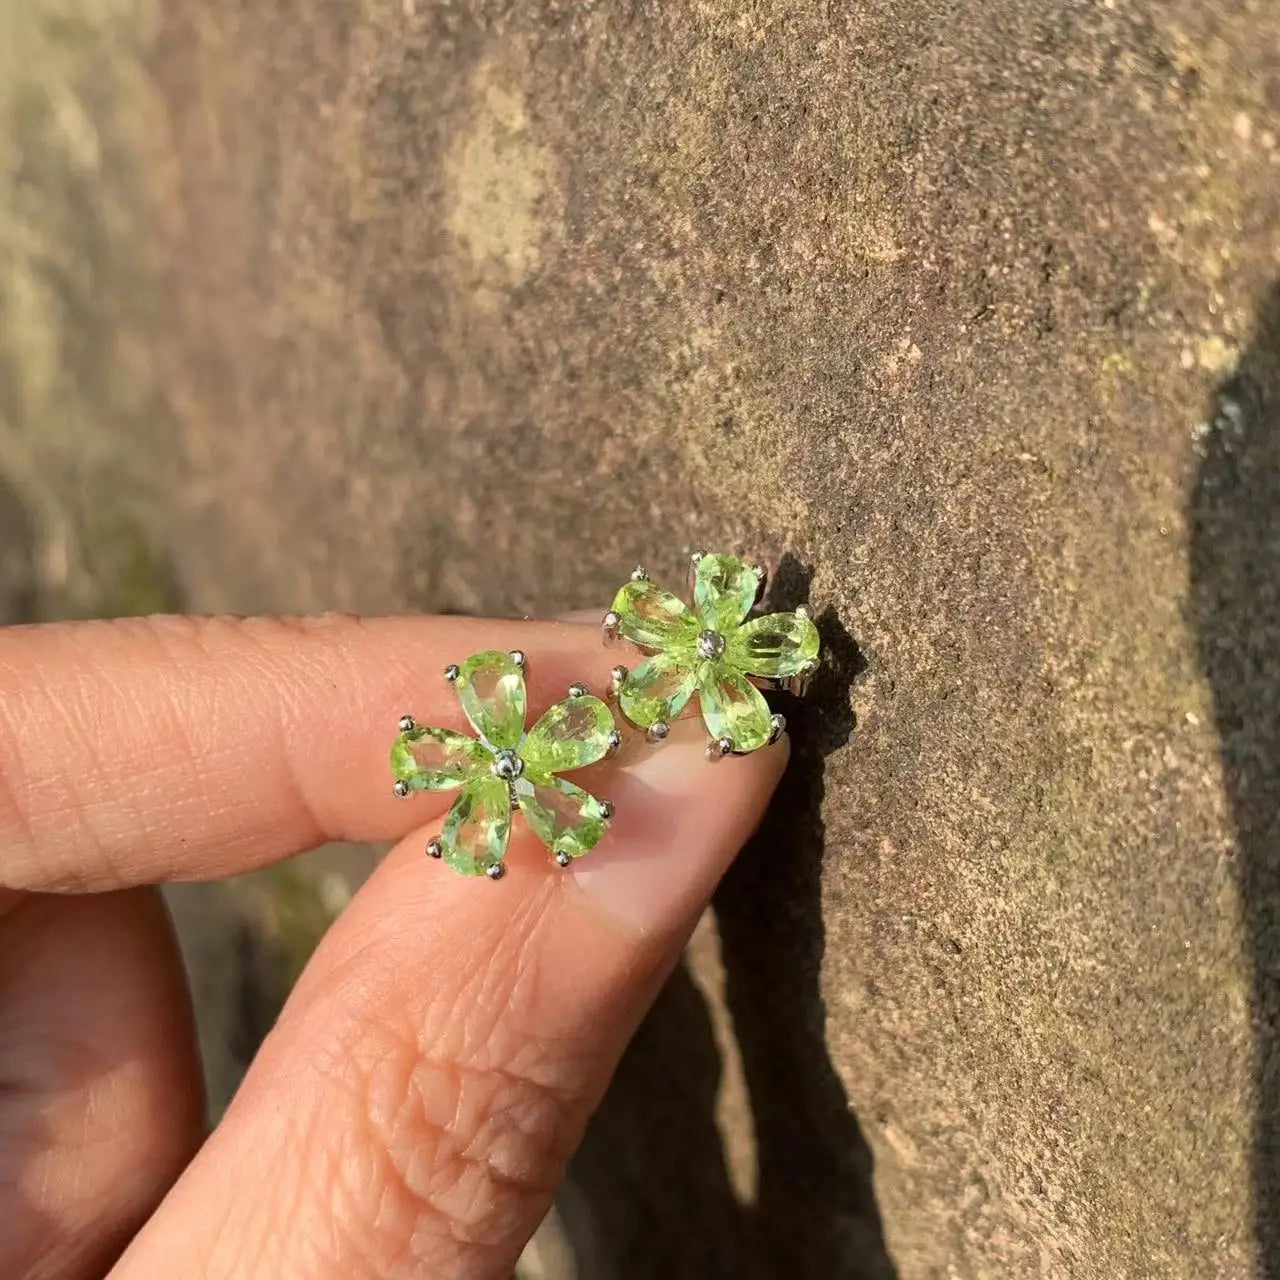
(177,748)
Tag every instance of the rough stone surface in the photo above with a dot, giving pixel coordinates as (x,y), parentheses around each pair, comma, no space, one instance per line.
(963,314)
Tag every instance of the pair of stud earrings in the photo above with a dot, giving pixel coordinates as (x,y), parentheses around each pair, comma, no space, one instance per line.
(716,649)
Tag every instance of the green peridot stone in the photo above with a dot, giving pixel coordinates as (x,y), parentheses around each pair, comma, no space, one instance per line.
(733,708)
(564,817)
(490,686)
(569,736)
(658,688)
(778,645)
(724,589)
(654,618)
(478,826)
(430,759)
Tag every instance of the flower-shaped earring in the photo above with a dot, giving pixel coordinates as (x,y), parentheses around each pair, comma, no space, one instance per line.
(507,767)
(712,649)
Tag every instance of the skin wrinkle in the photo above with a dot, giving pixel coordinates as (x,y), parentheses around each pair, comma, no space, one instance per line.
(496,987)
(74,711)
(372,1201)
(13,813)
(253,635)
(165,637)
(464,1146)
(292,717)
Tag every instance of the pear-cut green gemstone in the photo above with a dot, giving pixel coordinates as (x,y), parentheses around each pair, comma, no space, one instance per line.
(733,708)
(436,759)
(724,589)
(570,735)
(654,618)
(658,688)
(778,645)
(564,817)
(478,826)
(490,687)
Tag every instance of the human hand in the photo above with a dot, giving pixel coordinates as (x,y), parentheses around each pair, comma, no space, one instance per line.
(411,1113)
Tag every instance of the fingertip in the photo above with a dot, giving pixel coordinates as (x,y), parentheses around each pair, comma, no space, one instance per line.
(681,819)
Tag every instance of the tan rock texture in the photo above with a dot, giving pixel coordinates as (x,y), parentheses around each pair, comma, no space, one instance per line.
(961,313)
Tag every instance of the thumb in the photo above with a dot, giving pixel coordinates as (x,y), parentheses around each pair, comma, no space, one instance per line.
(412,1112)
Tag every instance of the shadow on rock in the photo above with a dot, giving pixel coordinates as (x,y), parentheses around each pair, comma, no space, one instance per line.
(1235,596)
(816,1213)
(652,1181)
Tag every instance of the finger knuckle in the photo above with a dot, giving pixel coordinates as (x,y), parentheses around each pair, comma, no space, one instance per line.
(452,1146)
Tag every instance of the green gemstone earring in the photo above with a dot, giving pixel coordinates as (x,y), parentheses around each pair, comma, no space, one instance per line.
(505,768)
(713,649)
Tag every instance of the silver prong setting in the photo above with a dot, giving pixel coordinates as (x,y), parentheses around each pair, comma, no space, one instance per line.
(692,577)
(777,727)
(507,765)
(802,611)
(762,580)
(497,871)
(607,810)
(718,748)
(407,724)
(517,656)
(711,645)
(451,672)
(617,677)
(434,849)
(563,859)
(578,690)
(615,741)
(639,574)
(657,731)
(401,788)
(798,684)
(609,625)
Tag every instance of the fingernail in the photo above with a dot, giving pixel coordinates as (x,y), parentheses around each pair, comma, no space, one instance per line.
(679,822)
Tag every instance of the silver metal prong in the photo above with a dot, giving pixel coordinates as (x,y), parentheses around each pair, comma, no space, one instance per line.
(609,625)
(507,765)
(657,731)
(497,871)
(615,742)
(762,580)
(691,577)
(401,788)
(563,859)
(407,724)
(451,672)
(718,748)
(711,644)
(577,689)
(616,678)
(639,574)
(802,611)
(606,809)
(433,849)
(517,656)
(778,726)
(798,684)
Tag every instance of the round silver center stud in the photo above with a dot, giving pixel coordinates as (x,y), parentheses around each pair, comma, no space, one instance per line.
(507,765)
(710,645)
